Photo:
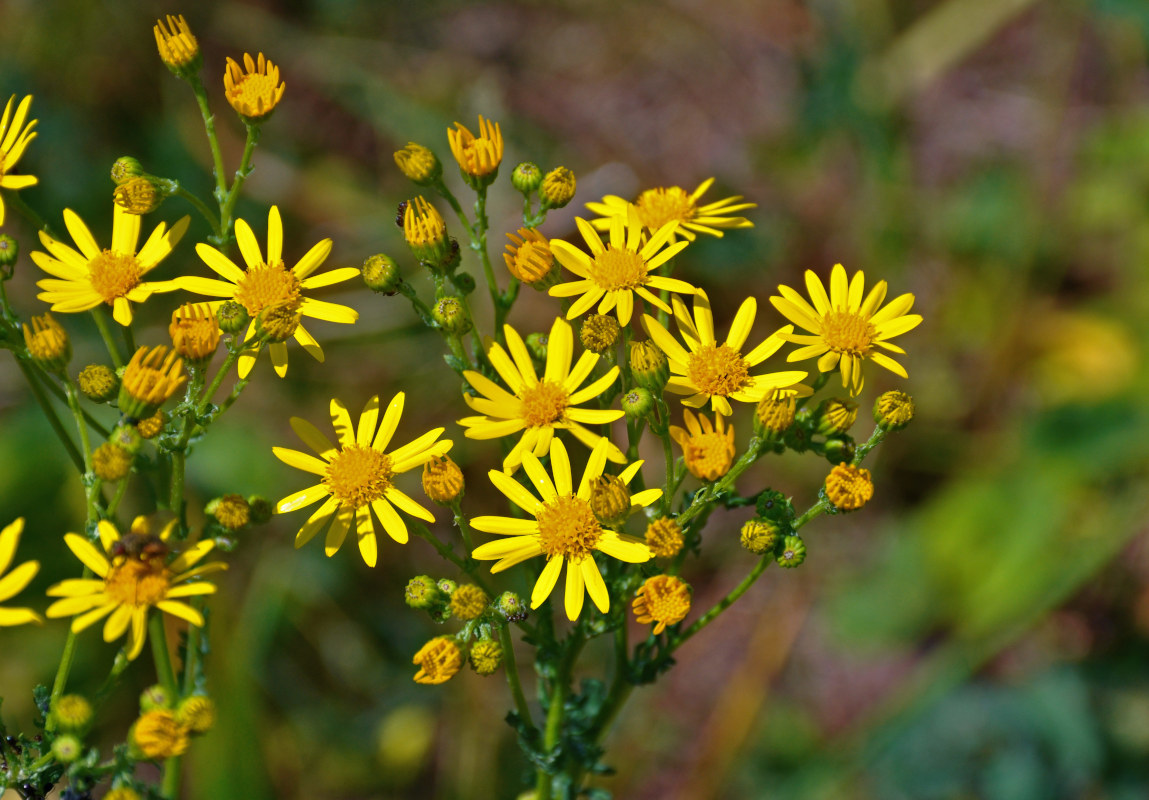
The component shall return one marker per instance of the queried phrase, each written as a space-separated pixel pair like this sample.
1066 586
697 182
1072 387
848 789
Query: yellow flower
175 42
269 283
707 449
254 91
150 379
849 487
82 280
657 207
159 735
478 157
614 273
133 575
662 599
539 407
15 581
194 332
528 257
14 138
845 328
707 369
357 477
564 528
439 660
664 537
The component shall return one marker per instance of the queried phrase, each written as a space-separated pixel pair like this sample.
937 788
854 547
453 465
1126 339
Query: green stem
212 139
198 204
167 677
241 174
864 449
129 339
192 650
512 669
706 495
446 552
213 387
121 490
100 315
50 414
62 671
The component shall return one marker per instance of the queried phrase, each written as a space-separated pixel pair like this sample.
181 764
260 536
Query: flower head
777 409
255 90
425 231
558 188
194 332
159 735
150 379
14 139
539 406
83 279
442 480
357 477
663 600
564 528
707 369
664 537
846 329
613 273
478 157
849 487
135 572
270 283
673 204
468 602
707 448
439 660
178 48
418 163
48 343
529 258
894 410
15 581
486 656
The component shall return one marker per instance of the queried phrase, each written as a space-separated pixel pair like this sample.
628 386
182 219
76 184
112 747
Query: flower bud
127 437
791 553
72 712
849 487
262 509
422 593
150 378
381 274
537 344
155 696
468 602
839 450
418 164
425 233
151 427
48 344
610 500
232 317
599 332
664 537
464 281
442 480
759 536
527 177
196 713
125 168
637 403
834 416
231 511
9 250
194 332
558 188
139 195
66 748
157 735
98 382
451 315
511 606
893 410
447 586
111 462
486 656
663 600
648 366
438 660
178 47
775 412
529 258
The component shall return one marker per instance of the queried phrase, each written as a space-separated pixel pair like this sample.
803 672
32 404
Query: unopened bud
527 177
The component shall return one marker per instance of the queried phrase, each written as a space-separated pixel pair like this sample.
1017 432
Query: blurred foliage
979 631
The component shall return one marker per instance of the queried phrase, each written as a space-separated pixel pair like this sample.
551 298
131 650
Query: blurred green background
978 631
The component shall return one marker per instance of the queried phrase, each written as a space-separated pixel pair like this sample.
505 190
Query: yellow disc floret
468 602
568 528
255 90
663 600
849 487
358 475
707 448
664 537
717 370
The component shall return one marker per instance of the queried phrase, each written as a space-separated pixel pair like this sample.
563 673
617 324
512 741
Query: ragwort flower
18 579
662 205
14 139
255 90
539 407
357 477
614 273
82 280
133 576
270 283
709 370
564 528
844 328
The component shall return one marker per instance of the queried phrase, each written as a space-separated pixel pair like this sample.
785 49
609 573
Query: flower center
717 370
656 207
265 285
114 274
847 332
708 454
543 404
619 269
358 475
255 89
137 582
567 528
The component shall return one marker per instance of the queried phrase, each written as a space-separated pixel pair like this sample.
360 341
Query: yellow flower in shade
663 600
270 283
134 574
564 528
439 660
159 735
614 273
664 537
177 46
194 332
707 369
707 448
82 280
657 207
539 407
357 477
14 139
478 157
255 90
18 579
846 329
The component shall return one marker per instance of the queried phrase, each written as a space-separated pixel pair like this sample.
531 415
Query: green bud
759 536
262 509
450 314
232 317
792 553
422 593
527 177
894 410
511 606
381 274
464 282
637 403
125 168
66 748
648 366
127 437
155 697
447 586
9 250
537 344
839 450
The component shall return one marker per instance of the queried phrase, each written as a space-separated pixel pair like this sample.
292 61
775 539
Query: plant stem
512 669
864 449
212 139
198 204
167 677
62 671
50 413
228 206
100 315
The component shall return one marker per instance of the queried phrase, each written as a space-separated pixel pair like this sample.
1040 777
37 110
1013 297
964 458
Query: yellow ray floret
83 279
613 273
539 406
270 283
846 329
18 579
563 528
709 370
357 476
14 139
134 573
665 204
